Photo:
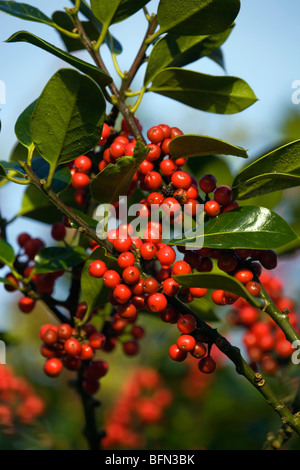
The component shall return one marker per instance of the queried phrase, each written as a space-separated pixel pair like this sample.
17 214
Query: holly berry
26 304
157 302
58 231
97 268
53 367
207 365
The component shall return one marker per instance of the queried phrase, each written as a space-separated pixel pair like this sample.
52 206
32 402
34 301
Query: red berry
157 302
80 180
86 353
253 288
105 131
122 244
166 256
23 238
207 365
97 268
181 179
53 367
131 347
218 297
122 293
244 276
58 231
186 324
198 292
131 275
208 183
223 195
150 285
126 259
83 164
268 259
176 354
212 208
111 278
199 350
167 166
65 331
170 287
73 347
127 310
186 343
155 134
148 250
154 152
117 149
153 180
90 386
26 304
181 267
97 340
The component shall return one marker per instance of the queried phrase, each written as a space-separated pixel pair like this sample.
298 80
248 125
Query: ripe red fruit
154 152
58 231
155 134
186 324
127 310
131 275
212 208
122 293
148 250
181 179
170 287
122 244
111 278
227 262
199 350
207 365
171 206
176 354
150 285
268 259
208 183
244 275
218 297
153 180
186 343
181 267
167 166
105 131
157 302
117 149
80 180
26 304
97 340
53 367
50 336
166 256
46 327
253 288
73 347
64 331
83 164
97 268
137 332
87 352
198 292
126 259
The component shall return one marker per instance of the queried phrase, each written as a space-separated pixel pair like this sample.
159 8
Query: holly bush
143 237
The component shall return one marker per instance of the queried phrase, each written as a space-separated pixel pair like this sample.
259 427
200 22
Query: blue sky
263 49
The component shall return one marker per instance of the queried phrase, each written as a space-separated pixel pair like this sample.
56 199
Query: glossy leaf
53 259
189 145
36 205
68 118
277 170
204 309
22 126
7 255
115 11
196 16
93 291
114 180
19 152
221 95
25 12
12 168
177 51
218 280
89 69
250 227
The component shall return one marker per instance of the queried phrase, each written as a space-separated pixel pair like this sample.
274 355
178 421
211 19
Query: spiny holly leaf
177 51
218 280
89 69
277 170
196 16
68 117
196 145
25 12
53 259
114 180
7 254
221 95
250 227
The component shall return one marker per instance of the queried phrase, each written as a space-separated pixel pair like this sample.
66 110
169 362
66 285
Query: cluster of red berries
19 403
142 401
192 343
63 346
265 342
